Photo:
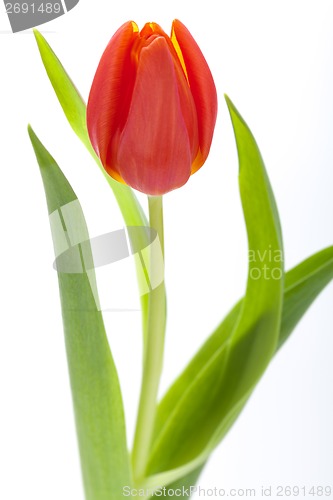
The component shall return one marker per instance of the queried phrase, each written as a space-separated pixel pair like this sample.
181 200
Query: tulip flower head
152 107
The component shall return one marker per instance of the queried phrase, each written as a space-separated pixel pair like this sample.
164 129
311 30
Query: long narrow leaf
74 108
220 386
303 284
95 387
68 96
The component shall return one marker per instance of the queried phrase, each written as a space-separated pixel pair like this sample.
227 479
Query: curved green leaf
185 485
68 96
303 284
96 392
220 386
74 108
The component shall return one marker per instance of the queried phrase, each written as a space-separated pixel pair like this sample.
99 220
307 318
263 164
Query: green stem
154 347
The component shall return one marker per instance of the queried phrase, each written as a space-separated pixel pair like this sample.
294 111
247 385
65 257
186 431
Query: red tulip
152 107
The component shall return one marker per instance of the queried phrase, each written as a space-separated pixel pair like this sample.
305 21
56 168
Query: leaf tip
40 40
227 98
31 131
33 138
232 108
37 34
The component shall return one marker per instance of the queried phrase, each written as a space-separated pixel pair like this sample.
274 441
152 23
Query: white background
275 60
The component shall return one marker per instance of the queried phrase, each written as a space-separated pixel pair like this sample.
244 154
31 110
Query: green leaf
185 484
303 284
218 388
68 96
95 387
74 108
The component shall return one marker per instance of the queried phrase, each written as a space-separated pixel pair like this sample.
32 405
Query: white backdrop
274 59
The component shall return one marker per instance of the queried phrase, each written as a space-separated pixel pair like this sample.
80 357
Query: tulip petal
154 151
111 90
150 28
202 87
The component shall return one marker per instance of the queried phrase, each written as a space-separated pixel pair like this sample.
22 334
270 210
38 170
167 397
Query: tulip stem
154 347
